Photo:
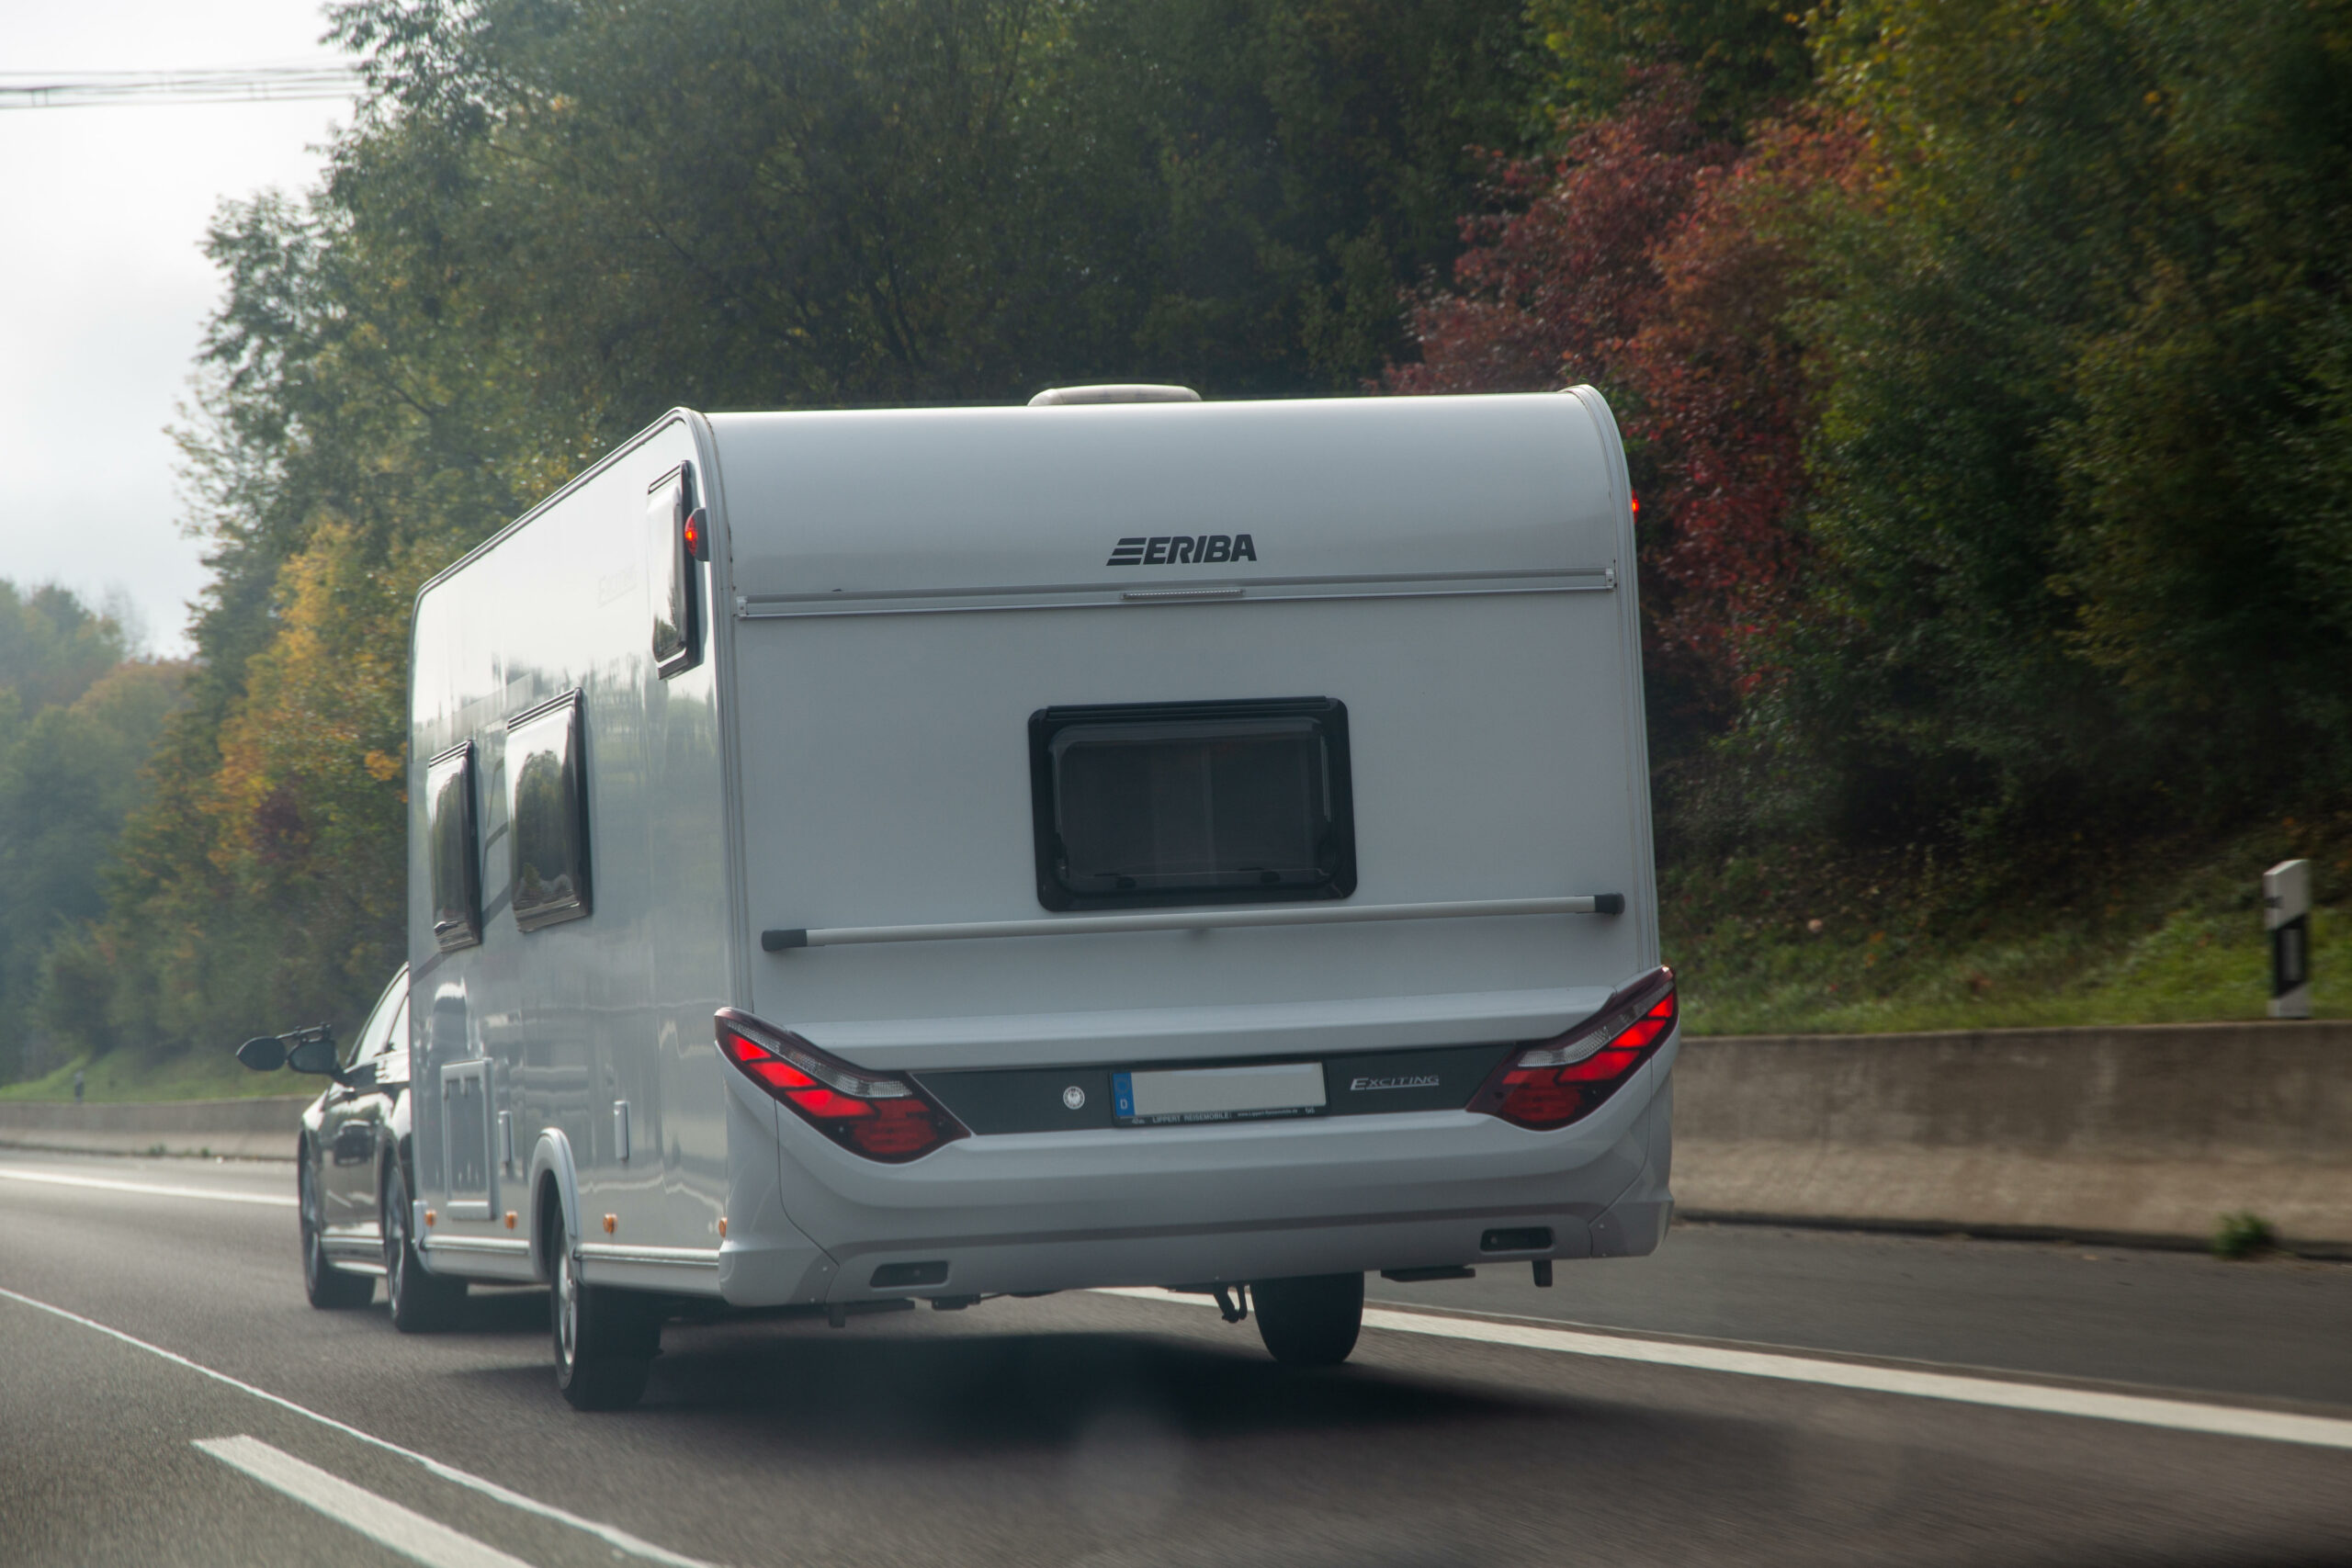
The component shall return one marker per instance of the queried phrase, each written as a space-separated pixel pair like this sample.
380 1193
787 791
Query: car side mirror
263 1053
315 1053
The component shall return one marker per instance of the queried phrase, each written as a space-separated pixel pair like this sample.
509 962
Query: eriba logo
1169 550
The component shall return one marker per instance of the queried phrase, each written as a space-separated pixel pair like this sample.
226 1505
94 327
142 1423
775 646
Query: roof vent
1061 397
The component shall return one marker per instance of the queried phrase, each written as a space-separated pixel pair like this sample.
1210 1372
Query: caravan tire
1312 1321
422 1302
605 1339
330 1289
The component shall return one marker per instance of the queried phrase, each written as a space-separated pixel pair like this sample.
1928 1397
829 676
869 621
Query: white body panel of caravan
826 822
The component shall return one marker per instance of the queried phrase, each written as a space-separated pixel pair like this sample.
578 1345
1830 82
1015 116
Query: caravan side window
547 812
452 841
673 536
1191 803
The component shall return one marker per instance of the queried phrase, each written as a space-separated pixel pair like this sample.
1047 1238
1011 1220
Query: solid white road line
610 1535
385 1522
2139 1410
156 1189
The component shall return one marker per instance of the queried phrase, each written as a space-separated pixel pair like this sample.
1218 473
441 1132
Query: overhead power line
222 84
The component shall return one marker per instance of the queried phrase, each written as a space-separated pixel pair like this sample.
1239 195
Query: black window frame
456 926
1330 715
573 788
680 582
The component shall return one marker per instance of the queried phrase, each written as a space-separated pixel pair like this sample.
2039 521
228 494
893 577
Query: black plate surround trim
995 1100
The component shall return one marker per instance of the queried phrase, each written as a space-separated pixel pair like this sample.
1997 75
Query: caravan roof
1002 500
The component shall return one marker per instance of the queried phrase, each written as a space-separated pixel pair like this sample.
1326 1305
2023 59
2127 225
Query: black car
353 1167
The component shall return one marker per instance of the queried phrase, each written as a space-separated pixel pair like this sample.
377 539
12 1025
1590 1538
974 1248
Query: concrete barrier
242 1129
2147 1134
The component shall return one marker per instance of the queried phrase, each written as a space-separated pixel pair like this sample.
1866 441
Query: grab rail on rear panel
785 939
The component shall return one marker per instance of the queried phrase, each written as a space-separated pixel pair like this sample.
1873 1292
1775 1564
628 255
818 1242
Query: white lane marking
2139 1410
609 1534
385 1522
275 1199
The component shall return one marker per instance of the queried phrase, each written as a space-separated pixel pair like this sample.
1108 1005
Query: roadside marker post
2287 915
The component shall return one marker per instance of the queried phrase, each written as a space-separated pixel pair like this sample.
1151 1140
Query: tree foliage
77 720
556 219
2077 377
1987 372
1662 265
1989 399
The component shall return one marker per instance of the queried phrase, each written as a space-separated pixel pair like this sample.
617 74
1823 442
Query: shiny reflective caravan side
604 937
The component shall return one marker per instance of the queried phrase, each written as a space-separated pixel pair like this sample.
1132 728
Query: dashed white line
610 1535
381 1520
154 1189
2139 1410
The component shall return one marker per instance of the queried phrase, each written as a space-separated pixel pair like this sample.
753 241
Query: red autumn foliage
1661 267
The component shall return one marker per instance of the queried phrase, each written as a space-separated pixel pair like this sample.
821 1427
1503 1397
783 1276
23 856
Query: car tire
605 1339
1312 1321
422 1302
329 1288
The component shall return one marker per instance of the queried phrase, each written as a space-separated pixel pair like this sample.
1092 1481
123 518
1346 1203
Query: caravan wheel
605 1339
1312 1321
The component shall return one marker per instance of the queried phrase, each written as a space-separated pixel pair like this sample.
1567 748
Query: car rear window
1191 803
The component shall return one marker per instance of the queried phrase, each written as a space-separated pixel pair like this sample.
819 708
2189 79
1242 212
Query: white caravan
864 857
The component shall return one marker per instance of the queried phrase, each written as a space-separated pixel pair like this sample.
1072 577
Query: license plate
1216 1094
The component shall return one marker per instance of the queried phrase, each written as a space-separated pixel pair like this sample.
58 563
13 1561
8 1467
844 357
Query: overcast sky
103 290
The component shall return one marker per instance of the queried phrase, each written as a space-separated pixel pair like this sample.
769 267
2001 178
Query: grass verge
125 1074
1792 943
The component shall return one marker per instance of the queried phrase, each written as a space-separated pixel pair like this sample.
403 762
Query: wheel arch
554 1183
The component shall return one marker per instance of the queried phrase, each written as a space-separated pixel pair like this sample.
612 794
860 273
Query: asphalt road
1748 1395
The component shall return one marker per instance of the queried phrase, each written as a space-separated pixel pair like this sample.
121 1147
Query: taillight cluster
1551 1084
881 1117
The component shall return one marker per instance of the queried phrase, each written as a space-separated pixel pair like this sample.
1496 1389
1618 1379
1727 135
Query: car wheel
1312 1321
422 1302
605 1339
330 1289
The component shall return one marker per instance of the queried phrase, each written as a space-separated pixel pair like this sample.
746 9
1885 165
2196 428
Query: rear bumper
1204 1204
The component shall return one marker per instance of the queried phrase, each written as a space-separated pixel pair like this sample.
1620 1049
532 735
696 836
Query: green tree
2072 455
1749 58
77 722
2211 560
553 221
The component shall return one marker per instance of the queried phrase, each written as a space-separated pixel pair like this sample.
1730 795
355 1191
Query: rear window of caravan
1191 803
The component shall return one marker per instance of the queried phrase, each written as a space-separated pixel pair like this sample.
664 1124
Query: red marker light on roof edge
695 531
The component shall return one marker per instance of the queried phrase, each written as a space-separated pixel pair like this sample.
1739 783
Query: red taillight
1550 1084
875 1115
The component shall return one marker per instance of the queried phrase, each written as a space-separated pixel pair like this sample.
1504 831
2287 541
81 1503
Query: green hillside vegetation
1986 375
139 1075
2171 935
